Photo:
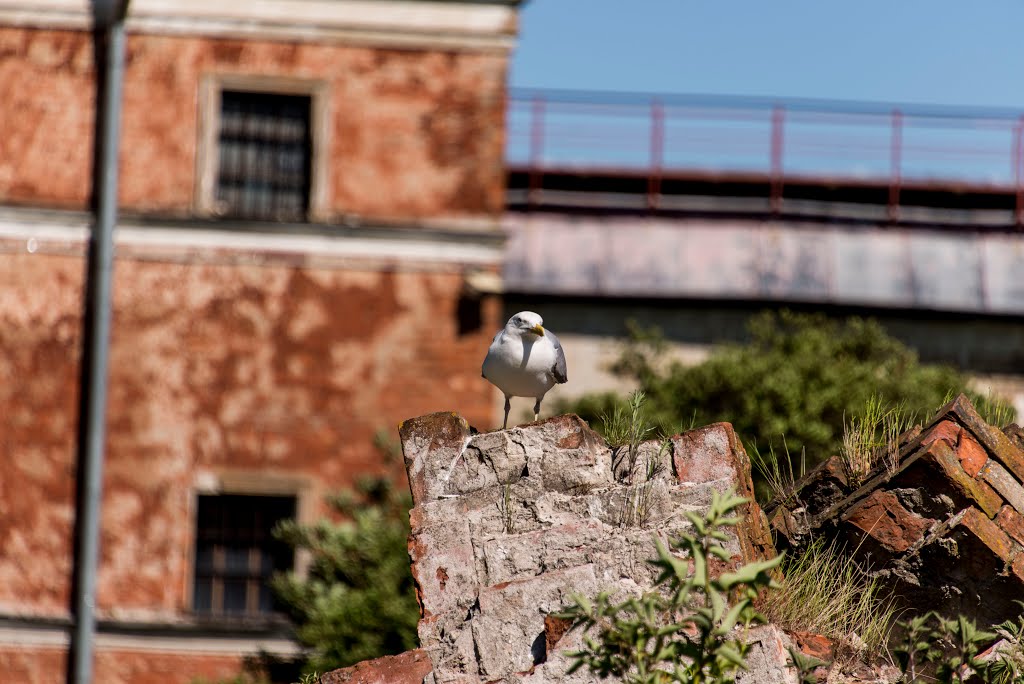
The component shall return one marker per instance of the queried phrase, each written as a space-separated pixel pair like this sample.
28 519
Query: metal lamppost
108 43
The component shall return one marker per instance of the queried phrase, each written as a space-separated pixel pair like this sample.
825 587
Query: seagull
524 360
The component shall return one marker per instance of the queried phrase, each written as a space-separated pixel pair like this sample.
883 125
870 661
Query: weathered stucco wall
119 666
216 367
411 133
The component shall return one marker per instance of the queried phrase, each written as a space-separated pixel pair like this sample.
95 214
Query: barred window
265 149
236 553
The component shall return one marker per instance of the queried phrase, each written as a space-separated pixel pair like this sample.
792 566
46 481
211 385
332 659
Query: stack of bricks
943 526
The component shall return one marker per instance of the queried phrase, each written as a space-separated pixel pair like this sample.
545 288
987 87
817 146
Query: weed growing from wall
823 591
685 629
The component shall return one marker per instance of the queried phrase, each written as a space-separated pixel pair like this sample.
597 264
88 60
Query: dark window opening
236 554
469 312
265 145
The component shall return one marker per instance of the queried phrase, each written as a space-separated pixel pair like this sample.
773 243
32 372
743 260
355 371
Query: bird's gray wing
559 370
496 336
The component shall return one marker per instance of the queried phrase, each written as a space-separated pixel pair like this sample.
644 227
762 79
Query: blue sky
907 51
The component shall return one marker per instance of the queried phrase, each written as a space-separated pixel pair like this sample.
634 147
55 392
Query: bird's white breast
520 368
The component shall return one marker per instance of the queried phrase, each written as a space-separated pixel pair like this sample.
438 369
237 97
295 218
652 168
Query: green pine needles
357 600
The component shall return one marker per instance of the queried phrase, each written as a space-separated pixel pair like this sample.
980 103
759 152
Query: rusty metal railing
780 141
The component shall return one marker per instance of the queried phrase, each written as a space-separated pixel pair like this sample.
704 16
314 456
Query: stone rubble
508 525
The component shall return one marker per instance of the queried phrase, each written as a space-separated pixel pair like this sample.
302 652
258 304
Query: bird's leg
508 407
536 410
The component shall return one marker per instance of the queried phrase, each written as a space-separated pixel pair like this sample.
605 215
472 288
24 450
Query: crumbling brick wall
508 524
943 529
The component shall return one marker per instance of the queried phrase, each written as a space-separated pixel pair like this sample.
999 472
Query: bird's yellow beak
537 329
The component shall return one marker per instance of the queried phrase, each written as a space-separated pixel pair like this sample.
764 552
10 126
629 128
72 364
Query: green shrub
358 599
790 388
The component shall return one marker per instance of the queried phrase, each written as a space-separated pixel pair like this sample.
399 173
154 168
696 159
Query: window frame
208 148
244 484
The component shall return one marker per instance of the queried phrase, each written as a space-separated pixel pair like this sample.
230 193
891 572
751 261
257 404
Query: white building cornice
384 23
425 248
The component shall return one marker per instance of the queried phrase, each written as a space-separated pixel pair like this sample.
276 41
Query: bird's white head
526 322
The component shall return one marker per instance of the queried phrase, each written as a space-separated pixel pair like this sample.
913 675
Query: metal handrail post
657 154
777 153
895 165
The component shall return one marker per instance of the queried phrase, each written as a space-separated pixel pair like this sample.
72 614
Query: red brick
1012 523
405 668
983 495
881 516
815 645
971 454
946 431
993 439
988 532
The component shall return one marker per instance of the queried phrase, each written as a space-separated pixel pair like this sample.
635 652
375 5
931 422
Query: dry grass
777 474
825 592
873 438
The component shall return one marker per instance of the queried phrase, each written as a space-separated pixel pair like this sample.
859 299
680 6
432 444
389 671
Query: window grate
265 145
236 554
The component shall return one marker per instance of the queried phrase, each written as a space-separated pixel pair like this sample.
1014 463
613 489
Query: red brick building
310 193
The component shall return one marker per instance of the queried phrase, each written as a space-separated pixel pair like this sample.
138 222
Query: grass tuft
873 438
625 429
995 410
826 592
777 474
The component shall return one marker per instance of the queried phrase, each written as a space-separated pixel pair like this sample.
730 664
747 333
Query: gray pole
108 39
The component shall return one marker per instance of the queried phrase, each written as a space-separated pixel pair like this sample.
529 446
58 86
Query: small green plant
994 409
873 437
947 650
625 429
683 630
506 509
805 665
824 591
638 498
1008 665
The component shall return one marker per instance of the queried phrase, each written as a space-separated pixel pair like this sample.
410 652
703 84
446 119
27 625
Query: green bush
357 600
789 389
